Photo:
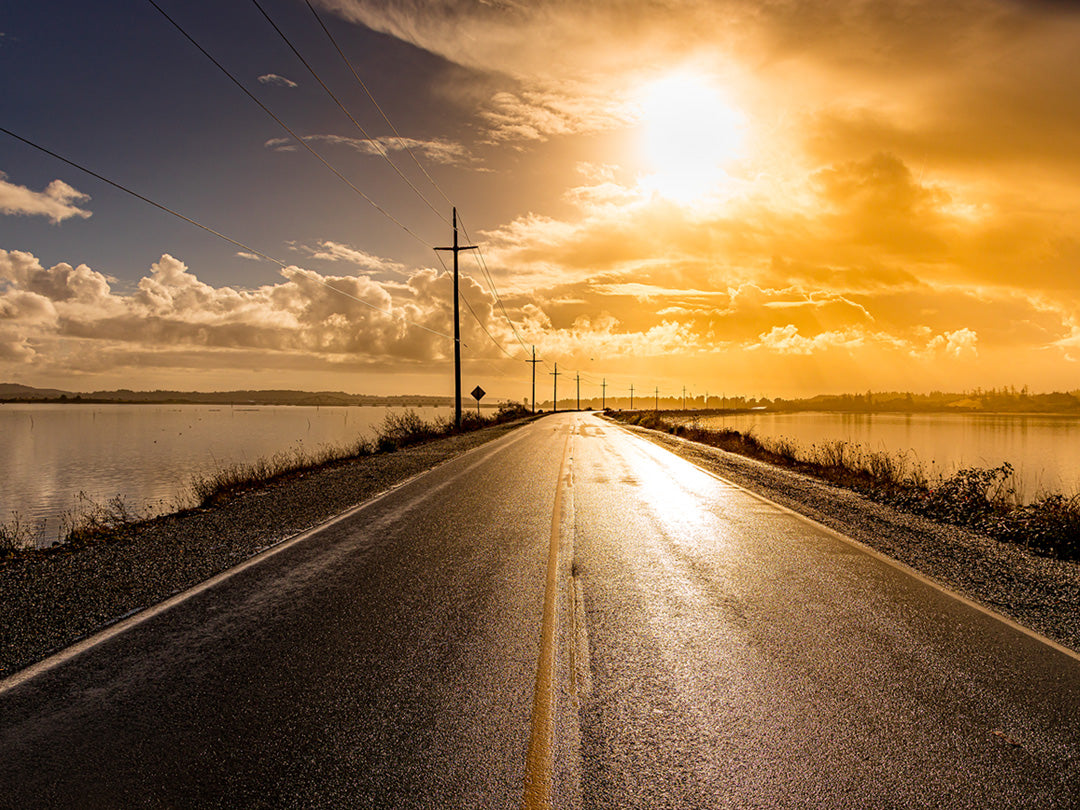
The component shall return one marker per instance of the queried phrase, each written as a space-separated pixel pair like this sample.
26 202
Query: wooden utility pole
656 401
578 378
631 397
684 397
603 395
534 361
457 324
554 388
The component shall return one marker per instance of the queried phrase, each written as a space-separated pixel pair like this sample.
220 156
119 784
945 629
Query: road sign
478 393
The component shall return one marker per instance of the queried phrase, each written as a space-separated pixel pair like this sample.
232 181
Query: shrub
1049 526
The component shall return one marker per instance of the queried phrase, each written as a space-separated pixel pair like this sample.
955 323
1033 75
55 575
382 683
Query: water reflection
148 453
1043 449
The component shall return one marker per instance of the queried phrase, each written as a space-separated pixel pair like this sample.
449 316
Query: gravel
50 600
1037 592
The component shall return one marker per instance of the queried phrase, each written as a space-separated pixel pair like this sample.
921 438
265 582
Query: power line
485 272
378 147
385 118
218 234
285 126
491 282
472 311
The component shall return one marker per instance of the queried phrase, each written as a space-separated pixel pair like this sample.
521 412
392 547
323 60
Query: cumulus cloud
55 314
276 80
57 202
959 344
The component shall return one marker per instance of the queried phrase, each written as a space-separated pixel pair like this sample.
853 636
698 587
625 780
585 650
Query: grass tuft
16 535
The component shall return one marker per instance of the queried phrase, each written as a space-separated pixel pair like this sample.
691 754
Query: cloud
337 252
282 145
57 202
437 150
243 254
958 344
542 112
63 311
277 81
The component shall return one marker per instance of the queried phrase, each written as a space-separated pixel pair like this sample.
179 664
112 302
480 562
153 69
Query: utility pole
603 395
555 388
534 361
684 397
578 378
457 324
631 397
656 401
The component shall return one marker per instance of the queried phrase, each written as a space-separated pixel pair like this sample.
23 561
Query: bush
1049 526
972 496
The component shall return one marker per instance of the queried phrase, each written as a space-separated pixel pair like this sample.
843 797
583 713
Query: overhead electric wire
210 230
378 147
482 263
321 159
364 87
286 127
485 272
472 311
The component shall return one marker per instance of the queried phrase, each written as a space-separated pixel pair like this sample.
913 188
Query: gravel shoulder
49 601
1039 593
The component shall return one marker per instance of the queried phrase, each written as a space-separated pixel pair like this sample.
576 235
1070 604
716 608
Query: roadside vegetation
89 521
983 499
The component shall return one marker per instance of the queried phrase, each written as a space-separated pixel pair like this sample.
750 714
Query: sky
767 198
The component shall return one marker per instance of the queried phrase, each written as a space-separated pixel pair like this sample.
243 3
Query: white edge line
145 614
903 567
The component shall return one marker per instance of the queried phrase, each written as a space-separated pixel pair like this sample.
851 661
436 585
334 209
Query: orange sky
780 198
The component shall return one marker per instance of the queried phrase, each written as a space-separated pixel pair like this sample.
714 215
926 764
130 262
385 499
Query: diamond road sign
478 393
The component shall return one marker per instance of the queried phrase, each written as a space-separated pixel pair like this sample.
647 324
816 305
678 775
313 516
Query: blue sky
785 199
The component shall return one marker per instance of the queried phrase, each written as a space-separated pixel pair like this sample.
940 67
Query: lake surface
1044 450
148 453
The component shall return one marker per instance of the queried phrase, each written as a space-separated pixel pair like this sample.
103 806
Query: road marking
539 760
907 569
139 616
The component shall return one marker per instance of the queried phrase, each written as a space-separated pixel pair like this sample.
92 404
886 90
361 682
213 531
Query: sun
691 132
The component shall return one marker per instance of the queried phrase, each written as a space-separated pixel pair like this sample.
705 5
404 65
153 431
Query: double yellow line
540 758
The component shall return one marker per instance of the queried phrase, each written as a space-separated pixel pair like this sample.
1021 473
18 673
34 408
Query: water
147 454
1044 450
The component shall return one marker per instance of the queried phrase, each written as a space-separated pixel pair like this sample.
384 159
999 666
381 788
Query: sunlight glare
691 132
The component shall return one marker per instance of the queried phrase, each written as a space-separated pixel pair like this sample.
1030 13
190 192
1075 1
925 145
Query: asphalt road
569 615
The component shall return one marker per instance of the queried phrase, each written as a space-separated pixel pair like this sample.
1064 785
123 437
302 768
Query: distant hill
10 391
13 392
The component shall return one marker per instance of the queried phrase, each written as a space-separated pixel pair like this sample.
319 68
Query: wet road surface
702 648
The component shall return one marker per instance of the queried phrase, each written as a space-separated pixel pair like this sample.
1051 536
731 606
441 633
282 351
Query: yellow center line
539 760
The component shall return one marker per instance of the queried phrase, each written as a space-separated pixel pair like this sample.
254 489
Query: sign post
478 394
